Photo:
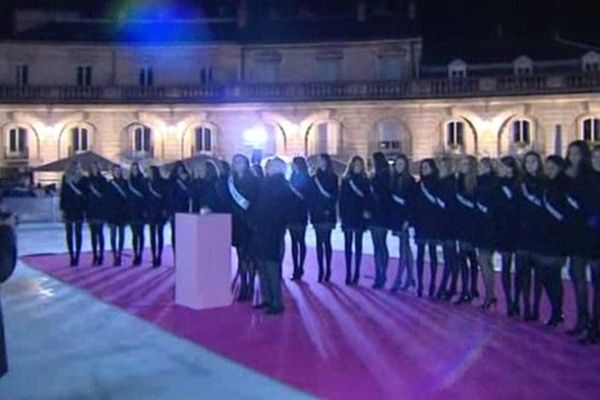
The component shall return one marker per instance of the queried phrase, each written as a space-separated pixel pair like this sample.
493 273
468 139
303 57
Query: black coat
530 199
138 199
401 204
205 195
180 195
72 200
380 201
95 198
466 213
446 193
427 210
247 187
506 214
485 234
354 197
301 187
269 217
551 233
323 204
8 262
117 202
578 240
157 200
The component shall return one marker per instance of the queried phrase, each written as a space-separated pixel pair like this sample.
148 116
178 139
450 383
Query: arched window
323 137
142 141
455 135
203 139
590 62
16 142
457 69
523 66
590 130
80 139
521 132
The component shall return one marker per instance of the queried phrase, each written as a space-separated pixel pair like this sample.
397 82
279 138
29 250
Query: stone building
162 90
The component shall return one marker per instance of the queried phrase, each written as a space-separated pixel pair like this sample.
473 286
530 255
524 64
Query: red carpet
356 343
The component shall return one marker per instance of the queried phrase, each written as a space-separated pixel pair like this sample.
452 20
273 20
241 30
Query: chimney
361 10
242 14
412 9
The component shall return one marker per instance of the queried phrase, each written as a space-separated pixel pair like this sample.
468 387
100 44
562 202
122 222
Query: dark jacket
530 198
506 214
379 201
157 200
486 196
180 195
117 201
269 217
72 200
427 210
205 195
578 240
247 188
401 203
593 214
323 198
8 262
354 197
138 199
466 213
301 187
550 233
446 194
95 198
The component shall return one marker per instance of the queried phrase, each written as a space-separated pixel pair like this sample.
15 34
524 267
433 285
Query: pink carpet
356 343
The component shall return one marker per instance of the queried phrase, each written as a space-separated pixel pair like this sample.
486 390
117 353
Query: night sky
440 20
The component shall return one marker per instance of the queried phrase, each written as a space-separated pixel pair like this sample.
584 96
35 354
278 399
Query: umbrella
85 159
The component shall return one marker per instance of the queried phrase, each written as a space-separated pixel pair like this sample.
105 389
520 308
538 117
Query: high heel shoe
555 320
489 303
420 291
578 329
408 285
464 298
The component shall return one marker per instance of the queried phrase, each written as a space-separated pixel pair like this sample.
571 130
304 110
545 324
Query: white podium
203 260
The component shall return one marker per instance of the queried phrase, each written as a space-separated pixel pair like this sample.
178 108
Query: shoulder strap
321 188
236 195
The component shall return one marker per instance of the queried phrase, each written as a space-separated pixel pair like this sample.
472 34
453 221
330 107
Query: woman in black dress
593 212
158 211
242 189
485 227
138 215
530 199
466 217
354 193
427 216
509 173
95 211
323 213
300 185
72 205
117 193
402 192
205 199
180 183
578 240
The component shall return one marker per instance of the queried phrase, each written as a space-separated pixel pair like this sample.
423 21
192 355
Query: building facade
344 94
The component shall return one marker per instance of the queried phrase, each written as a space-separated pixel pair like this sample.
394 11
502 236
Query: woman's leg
376 256
464 273
141 242
433 262
78 240
348 239
385 256
320 245
93 228
420 266
409 259
134 242
401 264
121 230
593 336
554 289
524 269
243 274
69 226
358 243
506 259
112 229
160 227
328 254
474 266
295 252
100 243
577 273
153 242
447 271
172 221
487 270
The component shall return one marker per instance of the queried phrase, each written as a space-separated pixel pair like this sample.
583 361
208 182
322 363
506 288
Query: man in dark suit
8 261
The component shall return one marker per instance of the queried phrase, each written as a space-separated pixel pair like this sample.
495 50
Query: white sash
507 192
399 200
355 188
135 191
553 211
427 194
119 189
74 188
532 199
573 203
296 192
95 191
321 188
181 185
237 196
154 192
465 202
440 203
482 208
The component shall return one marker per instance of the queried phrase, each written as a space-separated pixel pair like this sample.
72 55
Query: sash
237 196
507 192
355 188
573 203
154 192
399 200
119 189
427 194
74 188
296 192
532 198
440 203
181 185
95 191
465 202
482 208
321 188
553 211
135 191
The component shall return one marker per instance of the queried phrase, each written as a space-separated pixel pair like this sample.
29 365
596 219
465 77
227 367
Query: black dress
485 233
578 190
466 213
379 201
551 233
402 199
241 194
323 200
95 195
117 202
506 214
72 200
300 184
180 195
530 203
593 215
427 210
354 196
157 200
8 262
446 194
137 187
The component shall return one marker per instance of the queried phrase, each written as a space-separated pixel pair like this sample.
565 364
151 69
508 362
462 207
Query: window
591 130
146 76
22 75
206 75
79 139
590 62
457 69
84 76
324 137
523 66
204 139
389 136
267 71
17 141
455 137
328 69
521 132
391 68
591 67
142 139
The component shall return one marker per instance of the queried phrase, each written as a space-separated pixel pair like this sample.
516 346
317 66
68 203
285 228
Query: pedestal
203 260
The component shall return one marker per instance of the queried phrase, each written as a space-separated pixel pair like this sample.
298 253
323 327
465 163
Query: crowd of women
539 215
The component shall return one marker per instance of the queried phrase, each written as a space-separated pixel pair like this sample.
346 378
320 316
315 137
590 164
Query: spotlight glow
255 137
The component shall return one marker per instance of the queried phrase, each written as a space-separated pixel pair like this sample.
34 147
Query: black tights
595 325
137 241
525 269
433 262
324 253
97 236
405 262
355 237
469 271
508 284
450 272
246 274
578 275
298 236
117 241
157 240
73 233
381 255
173 232
548 277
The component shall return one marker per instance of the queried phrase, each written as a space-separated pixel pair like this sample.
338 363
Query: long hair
400 180
435 172
244 160
179 165
154 172
586 156
469 179
135 166
513 164
540 170
301 165
328 164
380 163
257 170
350 167
558 161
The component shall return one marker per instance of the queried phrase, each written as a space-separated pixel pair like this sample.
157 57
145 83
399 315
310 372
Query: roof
503 51
85 159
